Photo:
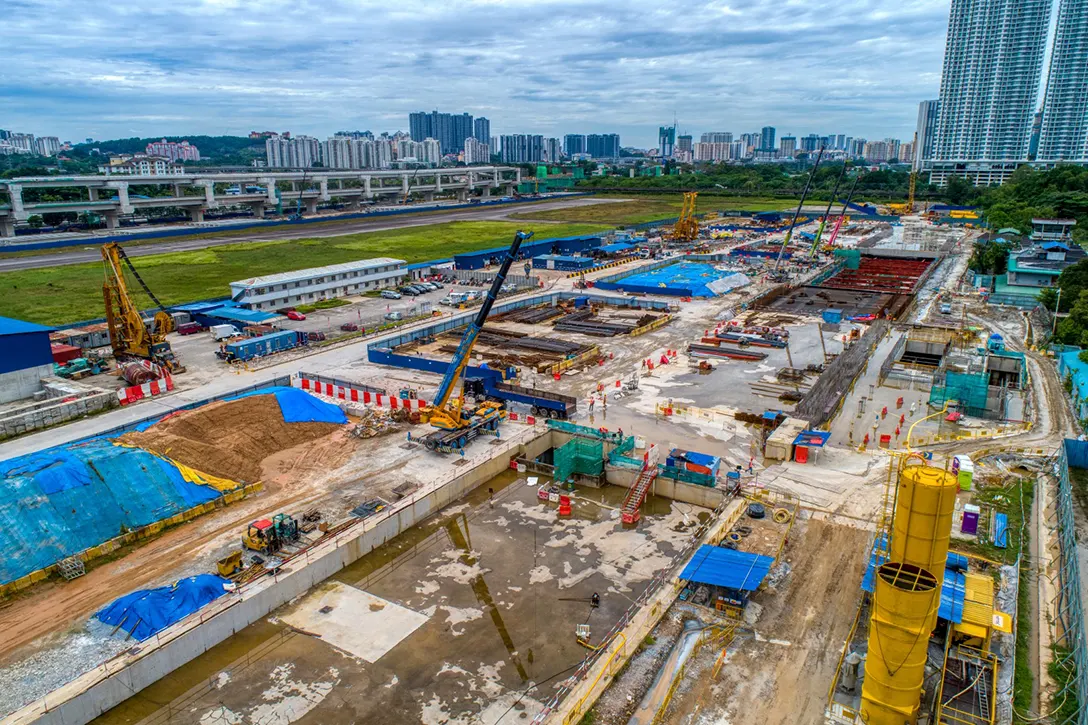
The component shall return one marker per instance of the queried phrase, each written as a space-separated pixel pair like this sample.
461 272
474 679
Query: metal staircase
632 504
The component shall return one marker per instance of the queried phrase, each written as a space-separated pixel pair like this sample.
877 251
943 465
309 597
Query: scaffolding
969 390
578 456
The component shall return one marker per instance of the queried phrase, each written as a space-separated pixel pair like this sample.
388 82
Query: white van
222 332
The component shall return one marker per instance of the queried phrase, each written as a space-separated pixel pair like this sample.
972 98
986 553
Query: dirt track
781 673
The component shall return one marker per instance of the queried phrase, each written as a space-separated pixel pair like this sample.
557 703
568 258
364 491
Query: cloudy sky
77 69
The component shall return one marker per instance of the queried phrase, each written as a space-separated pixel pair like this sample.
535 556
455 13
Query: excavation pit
482 600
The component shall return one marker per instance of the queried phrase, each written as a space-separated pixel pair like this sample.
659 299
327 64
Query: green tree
990 257
1072 282
36 222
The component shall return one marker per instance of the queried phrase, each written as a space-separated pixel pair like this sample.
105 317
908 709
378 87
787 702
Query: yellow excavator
686 228
130 336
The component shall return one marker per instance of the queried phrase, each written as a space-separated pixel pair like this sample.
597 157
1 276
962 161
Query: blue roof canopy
9 326
616 247
239 314
729 568
812 438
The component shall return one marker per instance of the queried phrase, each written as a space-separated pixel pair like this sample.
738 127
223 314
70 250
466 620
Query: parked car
190 328
295 315
420 289
315 336
946 308
437 284
389 294
350 327
411 292
394 316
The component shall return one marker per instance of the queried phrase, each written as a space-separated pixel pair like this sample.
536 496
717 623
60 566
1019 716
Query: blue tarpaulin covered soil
60 501
298 406
149 611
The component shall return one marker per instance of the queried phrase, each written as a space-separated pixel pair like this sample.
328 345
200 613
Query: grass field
72 293
649 208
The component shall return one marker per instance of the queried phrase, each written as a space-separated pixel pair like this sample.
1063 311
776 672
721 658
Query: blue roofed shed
741 571
27 357
616 248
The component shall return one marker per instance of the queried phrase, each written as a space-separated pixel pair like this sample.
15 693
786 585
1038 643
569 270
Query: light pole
1057 306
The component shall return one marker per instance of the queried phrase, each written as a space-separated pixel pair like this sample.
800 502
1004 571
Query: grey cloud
552 66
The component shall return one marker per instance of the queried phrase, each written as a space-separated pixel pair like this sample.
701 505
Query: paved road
318 362
331 229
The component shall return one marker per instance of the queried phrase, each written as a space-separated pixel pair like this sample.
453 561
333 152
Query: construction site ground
777 670
48 638
779 665
447 623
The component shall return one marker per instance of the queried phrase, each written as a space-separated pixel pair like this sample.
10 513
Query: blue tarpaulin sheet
729 568
1001 530
148 611
616 247
682 279
59 501
953 590
298 406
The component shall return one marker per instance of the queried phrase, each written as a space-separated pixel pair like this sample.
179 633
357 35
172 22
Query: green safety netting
579 456
969 390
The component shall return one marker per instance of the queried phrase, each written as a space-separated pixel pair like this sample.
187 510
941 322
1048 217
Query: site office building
303 286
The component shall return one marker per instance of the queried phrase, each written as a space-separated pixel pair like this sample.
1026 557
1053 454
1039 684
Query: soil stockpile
228 439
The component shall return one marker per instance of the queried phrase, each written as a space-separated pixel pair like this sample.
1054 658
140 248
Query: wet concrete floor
502 584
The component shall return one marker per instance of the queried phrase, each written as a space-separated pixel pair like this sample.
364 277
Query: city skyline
304 67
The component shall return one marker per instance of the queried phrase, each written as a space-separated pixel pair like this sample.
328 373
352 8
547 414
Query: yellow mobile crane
687 226
457 425
129 335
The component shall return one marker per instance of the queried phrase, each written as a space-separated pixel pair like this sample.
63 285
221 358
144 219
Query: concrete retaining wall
703 496
95 692
19 384
59 407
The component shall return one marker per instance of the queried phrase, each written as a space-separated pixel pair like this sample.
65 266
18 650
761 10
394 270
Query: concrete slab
353 620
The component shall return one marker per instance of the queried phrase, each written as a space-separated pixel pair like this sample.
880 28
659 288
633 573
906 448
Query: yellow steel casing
904 608
925 501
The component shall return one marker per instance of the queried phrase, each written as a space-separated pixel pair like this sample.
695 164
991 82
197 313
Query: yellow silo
925 502
905 602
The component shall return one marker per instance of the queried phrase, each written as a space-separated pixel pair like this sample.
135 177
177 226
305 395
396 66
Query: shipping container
562 263
64 353
259 346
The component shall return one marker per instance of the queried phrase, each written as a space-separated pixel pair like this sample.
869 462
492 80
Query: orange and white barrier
355 395
147 390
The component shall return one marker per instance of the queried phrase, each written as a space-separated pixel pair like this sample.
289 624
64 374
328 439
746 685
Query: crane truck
456 426
129 335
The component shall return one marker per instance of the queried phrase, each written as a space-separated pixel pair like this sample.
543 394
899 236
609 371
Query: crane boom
827 212
842 216
464 348
800 204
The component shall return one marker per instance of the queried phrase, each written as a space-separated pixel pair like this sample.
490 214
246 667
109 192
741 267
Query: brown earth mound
229 439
